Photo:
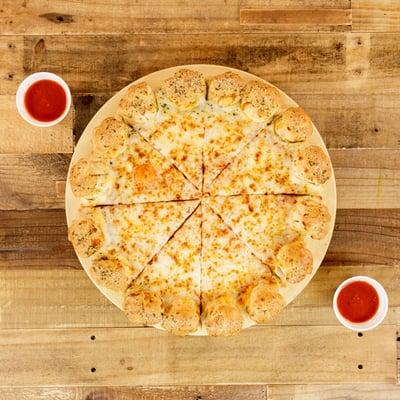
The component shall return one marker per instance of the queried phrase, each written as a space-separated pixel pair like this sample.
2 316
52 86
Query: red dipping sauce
45 100
358 301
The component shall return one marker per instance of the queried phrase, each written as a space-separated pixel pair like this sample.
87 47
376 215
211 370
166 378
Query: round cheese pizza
203 204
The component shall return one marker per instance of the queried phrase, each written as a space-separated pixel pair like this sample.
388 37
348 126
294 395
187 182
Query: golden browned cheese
110 273
185 88
143 308
110 137
295 261
85 176
293 125
222 316
316 218
86 237
313 164
145 176
182 316
264 302
260 101
225 89
138 104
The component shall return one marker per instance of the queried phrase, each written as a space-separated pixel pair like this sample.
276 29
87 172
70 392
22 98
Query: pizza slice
233 281
269 165
275 227
227 128
168 289
175 126
179 136
125 237
124 168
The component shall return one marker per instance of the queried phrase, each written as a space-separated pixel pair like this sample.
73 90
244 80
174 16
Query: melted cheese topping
264 166
228 266
264 223
175 270
141 174
179 136
227 131
136 233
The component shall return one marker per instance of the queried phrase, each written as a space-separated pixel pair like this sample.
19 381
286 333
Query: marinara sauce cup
23 91
376 318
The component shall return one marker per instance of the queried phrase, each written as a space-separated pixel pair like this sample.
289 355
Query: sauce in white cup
43 99
356 307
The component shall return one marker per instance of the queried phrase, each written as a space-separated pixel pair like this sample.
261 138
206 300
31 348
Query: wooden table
59 338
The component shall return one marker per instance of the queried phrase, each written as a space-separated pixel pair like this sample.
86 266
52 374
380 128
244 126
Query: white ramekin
377 318
23 87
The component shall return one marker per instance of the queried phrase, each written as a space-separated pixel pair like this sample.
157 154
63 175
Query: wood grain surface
93 17
338 59
220 392
333 354
20 137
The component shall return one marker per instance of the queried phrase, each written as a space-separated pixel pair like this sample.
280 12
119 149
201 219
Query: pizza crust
138 106
185 89
225 89
222 316
264 302
182 317
110 273
261 102
293 125
86 236
110 137
142 308
295 261
313 165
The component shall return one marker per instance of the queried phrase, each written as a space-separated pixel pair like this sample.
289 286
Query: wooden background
59 338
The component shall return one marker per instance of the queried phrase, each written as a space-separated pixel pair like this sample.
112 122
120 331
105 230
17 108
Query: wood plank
367 178
376 15
313 17
333 355
66 298
365 237
330 392
99 64
11 62
223 392
35 239
347 82
142 16
29 180
17 136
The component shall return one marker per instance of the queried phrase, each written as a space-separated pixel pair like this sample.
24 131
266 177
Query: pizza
203 201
